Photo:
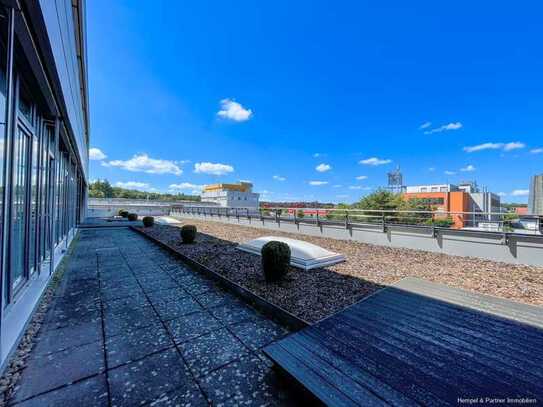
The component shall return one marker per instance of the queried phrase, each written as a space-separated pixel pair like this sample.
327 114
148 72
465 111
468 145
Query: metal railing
491 222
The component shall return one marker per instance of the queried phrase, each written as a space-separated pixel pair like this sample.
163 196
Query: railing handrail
376 211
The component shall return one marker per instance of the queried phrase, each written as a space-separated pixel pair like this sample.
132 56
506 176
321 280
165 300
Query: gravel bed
318 293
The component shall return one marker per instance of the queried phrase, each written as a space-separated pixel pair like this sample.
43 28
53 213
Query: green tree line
103 189
386 201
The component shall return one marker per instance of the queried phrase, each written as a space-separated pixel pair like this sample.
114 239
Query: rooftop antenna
395 181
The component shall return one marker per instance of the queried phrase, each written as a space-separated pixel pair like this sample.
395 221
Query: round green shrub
123 213
275 260
120 212
148 221
132 216
188 233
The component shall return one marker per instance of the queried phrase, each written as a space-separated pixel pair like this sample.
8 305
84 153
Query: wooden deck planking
405 347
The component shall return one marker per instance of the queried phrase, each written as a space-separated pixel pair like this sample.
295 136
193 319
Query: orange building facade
455 201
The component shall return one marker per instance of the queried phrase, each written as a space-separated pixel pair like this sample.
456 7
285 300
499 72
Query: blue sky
302 98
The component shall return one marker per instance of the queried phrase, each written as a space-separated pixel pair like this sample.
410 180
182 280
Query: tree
103 189
379 200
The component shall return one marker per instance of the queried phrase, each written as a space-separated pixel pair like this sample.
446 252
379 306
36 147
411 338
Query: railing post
383 222
276 217
237 214
248 216
346 220
318 220
295 219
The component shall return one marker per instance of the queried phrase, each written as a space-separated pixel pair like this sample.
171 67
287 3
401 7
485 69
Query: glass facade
42 187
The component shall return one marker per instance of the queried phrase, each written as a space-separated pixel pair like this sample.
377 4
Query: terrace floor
131 325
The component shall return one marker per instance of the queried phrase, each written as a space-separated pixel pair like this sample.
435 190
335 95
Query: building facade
238 195
467 205
535 200
44 134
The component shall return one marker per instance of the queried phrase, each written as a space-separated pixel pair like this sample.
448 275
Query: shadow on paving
130 324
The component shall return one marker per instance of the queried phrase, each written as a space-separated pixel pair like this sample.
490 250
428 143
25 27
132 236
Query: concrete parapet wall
516 249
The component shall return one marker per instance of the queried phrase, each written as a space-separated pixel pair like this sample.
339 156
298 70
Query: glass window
25 104
18 239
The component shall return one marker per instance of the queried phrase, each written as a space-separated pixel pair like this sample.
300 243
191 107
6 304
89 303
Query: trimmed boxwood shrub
148 221
123 213
132 216
188 233
275 260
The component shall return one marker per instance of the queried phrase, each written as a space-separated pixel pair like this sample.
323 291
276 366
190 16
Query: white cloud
374 161
279 178
501 194
362 177
317 155
450 173
185 186
133 185
513 145
356 187
213 168
445 127
337 186
96 154
233 110
431 169
425 125
468 168
318 183
323 167
536 150
144 163
520 192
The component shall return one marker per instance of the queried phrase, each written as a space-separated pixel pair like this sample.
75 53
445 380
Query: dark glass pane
19 214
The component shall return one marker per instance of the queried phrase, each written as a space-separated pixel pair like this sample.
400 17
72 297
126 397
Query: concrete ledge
501 307
267 308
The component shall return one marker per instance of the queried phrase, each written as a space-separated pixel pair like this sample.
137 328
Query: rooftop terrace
130 323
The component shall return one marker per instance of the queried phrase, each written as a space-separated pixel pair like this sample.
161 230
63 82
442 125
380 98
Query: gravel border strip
269 309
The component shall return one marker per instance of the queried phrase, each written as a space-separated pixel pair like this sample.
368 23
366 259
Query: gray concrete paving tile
176 308
212 350
256 334
234 312
52 340
192 325
136 344
145 380
116 324
91 392
246 381
181 397
46 372
168 294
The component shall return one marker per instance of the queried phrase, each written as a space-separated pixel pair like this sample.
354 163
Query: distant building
535 201
465 197
521 210
238 195
444 198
